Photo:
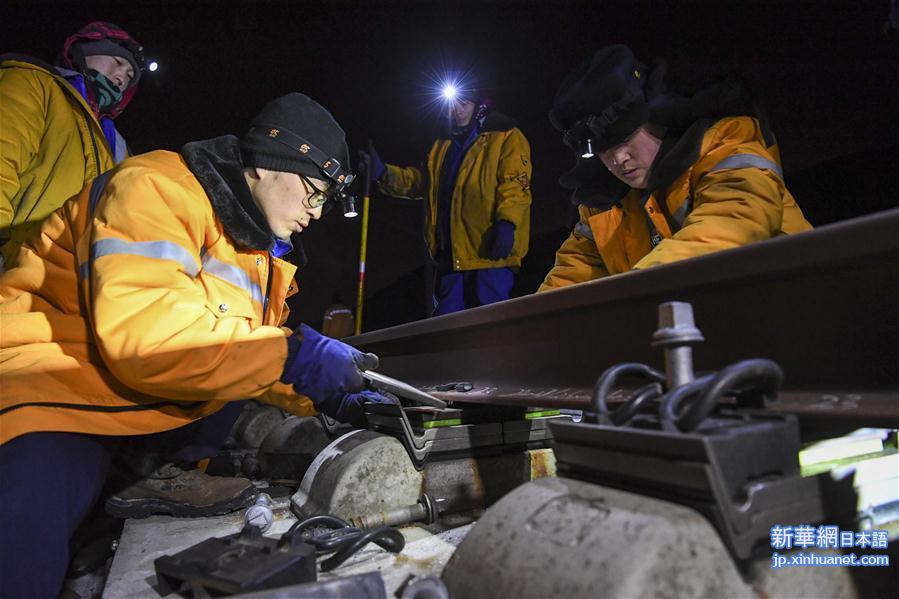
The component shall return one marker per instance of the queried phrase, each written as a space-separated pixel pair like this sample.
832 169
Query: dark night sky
825 71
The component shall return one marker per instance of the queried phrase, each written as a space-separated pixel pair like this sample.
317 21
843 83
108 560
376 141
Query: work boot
181 493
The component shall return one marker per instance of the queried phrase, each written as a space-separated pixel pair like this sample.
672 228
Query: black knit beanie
300 116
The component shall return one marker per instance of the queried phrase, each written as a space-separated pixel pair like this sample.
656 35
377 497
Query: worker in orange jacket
143 311
659 177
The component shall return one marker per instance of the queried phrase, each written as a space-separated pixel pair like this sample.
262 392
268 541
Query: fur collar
216 164
676 155
497 121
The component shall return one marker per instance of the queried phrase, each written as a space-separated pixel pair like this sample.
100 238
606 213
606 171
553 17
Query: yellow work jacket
493 184
731 196
141 315
51 144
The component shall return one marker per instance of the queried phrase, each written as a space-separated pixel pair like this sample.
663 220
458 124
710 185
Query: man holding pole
477 185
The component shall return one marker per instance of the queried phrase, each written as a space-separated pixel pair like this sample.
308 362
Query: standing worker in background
477 186
659 177
142 312
57 125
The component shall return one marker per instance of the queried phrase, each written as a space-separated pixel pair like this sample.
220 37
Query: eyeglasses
317 198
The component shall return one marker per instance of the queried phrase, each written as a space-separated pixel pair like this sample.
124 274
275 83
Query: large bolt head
676 325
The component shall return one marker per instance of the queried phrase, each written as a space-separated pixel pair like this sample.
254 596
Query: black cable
389 538
332 534
670 407
638 400
747 376
684 408
333 540
321 521
605 382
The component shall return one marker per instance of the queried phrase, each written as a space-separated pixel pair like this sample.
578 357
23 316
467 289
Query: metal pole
363 244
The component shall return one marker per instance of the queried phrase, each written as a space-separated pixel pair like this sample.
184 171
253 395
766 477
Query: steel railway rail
823 304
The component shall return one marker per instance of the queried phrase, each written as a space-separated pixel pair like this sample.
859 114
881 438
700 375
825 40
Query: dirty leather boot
181 493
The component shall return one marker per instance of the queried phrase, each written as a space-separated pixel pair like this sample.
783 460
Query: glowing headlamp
348 204
588 149
449 92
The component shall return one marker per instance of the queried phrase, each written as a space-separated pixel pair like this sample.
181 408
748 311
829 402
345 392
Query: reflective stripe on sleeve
232 274
683 211
584 230
735 161
161 250
748 161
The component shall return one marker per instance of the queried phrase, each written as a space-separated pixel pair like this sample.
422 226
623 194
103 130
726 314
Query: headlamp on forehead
598 132
136 50
143 63
588 149
453 91
449 92
338 176
581 140
348 205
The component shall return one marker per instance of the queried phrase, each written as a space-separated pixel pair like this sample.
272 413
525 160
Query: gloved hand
324 369
349 408
377 169
503 233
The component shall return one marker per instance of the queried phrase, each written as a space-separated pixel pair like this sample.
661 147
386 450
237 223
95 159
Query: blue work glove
324 369
503 233
350 410
377 169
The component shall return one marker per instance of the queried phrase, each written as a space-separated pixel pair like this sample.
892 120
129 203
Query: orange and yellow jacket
493 184
51 145
732 195
149 310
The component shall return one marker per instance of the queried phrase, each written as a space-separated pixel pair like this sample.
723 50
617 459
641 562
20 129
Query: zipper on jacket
268 288
654 237
90 130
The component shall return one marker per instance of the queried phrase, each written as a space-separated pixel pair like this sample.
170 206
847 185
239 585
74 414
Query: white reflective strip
232 274
584 230
683 211
735 161
160 250
748 161
121 147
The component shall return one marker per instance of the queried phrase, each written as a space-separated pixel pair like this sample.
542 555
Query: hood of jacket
97 31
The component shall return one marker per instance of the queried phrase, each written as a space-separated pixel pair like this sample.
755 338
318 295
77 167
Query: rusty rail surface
823 304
